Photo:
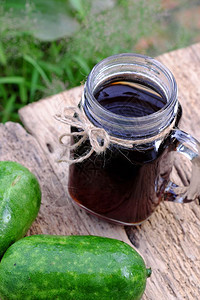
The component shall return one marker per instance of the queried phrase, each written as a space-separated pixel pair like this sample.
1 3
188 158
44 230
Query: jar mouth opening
132 68
153 67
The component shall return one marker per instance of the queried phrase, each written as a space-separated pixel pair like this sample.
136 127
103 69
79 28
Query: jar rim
134 59
158 64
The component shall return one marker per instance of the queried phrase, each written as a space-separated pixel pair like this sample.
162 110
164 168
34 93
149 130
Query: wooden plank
169 241
57 214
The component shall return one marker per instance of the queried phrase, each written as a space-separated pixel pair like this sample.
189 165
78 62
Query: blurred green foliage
49 46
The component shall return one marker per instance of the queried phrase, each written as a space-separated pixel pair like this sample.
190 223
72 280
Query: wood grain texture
170 240
57 214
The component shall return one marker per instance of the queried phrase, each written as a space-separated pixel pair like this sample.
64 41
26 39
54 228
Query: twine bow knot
98 137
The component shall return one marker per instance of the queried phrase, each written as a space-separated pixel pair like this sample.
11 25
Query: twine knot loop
99 139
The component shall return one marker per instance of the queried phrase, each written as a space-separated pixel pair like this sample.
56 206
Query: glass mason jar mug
122 135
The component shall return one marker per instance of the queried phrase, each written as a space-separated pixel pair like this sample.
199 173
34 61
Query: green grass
47 48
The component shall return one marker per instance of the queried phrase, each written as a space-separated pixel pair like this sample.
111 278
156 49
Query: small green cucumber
73 268
20 198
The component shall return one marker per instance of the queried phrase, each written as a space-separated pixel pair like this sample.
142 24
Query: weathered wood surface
169 241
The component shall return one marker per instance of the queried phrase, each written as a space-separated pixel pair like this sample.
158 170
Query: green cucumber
20 198
73 268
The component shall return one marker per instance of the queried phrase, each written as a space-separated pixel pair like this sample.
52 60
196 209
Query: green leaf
8 108
15 117
40 88
3 59
52 68
70 75
82 63
23 93
38 68
12 80
77 5
53 27
3 92
34 80
46 20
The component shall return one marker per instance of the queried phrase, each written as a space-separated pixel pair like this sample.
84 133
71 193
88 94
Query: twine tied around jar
98 137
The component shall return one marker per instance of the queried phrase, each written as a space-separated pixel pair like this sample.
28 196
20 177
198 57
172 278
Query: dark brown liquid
122 184
130 99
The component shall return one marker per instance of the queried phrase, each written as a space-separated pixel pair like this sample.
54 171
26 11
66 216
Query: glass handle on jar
190 148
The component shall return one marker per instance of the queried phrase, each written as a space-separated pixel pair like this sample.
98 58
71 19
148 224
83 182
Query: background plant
49 46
